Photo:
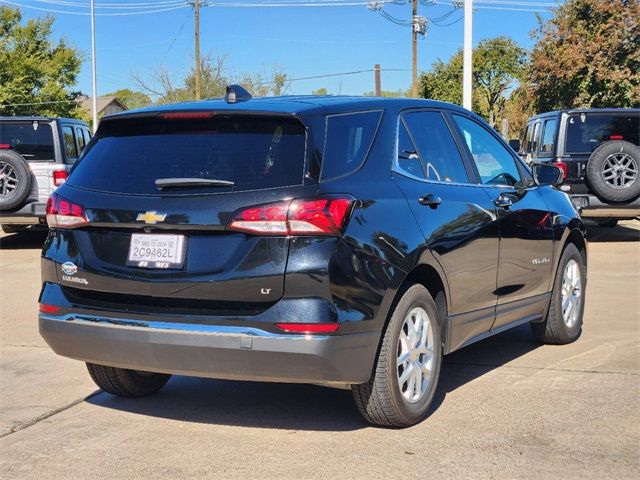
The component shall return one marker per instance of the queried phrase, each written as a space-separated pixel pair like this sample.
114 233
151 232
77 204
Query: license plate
156 251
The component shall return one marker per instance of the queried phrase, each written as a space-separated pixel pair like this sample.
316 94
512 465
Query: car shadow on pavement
620 233
31 239
304 407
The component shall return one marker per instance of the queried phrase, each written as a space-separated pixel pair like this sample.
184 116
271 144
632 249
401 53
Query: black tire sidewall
594 167
23 173
415 296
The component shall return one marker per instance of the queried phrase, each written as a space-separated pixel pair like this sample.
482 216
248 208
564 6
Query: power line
67 12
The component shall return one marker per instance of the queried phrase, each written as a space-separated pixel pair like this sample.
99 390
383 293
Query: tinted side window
81 140
535 138
437 150
70 149
495 164
348 140
32 140
548 136
408 159
527 138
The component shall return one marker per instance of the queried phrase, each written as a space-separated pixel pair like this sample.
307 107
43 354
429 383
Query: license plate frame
156 251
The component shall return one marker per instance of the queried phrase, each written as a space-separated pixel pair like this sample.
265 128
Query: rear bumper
30 214
591 206
235 353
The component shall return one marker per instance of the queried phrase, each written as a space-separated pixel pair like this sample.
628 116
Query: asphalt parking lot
505 408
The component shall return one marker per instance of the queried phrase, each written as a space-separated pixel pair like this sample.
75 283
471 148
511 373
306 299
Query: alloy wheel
619 170
8 179
571 293
414 360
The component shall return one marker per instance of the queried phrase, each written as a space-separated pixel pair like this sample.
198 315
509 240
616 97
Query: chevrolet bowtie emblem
151 217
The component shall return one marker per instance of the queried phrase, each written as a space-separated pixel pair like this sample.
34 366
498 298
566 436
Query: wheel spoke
406 374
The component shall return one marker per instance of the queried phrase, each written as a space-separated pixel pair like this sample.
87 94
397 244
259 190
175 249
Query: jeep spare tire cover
612 171
15 180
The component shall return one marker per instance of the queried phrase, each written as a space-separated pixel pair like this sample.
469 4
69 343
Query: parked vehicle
598 151
344 241
35 156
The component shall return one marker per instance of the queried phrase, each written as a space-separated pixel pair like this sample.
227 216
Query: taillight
62 213
185 115
309 327
616 137
59 177
562 166
318 216
5 146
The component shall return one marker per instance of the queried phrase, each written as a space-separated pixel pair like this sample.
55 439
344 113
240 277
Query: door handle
503 201
430 200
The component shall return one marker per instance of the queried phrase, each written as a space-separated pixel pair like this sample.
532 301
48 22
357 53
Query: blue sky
303 41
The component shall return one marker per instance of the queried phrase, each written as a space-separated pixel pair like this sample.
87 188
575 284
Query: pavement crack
550 369
44 416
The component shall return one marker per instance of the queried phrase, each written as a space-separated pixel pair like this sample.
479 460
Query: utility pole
377 80
414 49
196 11
94 100
467 56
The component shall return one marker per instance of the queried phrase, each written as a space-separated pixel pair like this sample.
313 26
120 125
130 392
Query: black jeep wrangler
598 151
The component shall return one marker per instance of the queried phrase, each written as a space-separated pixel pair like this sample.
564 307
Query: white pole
467 76
93 69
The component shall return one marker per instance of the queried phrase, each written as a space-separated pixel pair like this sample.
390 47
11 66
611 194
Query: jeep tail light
59 177
616 137
5 146
562 166
62 213
317 216
309 327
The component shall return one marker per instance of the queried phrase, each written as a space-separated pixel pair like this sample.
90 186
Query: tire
14 228
381 400
15 180
613 171
126 383
555 330
607 222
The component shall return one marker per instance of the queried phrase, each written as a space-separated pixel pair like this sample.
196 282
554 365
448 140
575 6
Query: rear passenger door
526 225
456 216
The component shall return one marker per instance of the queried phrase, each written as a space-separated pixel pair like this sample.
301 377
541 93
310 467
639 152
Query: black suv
36 154
344 241
599 152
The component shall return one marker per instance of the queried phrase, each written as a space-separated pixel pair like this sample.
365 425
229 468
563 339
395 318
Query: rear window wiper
192 182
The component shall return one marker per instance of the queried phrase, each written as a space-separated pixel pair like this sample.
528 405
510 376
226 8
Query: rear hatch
158 193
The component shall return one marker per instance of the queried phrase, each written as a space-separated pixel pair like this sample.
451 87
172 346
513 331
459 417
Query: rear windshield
586 131
32 140
253 152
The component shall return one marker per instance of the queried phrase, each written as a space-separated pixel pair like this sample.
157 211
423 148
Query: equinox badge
151 217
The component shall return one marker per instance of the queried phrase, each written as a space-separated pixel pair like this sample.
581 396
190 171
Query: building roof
103 102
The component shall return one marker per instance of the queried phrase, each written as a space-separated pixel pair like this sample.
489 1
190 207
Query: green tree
34 69
498 64
132 99
587 55
320 91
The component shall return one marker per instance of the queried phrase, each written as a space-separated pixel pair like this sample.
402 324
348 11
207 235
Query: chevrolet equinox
343 241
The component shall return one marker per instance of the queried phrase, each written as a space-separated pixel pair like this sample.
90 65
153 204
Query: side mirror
545 174
515 144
